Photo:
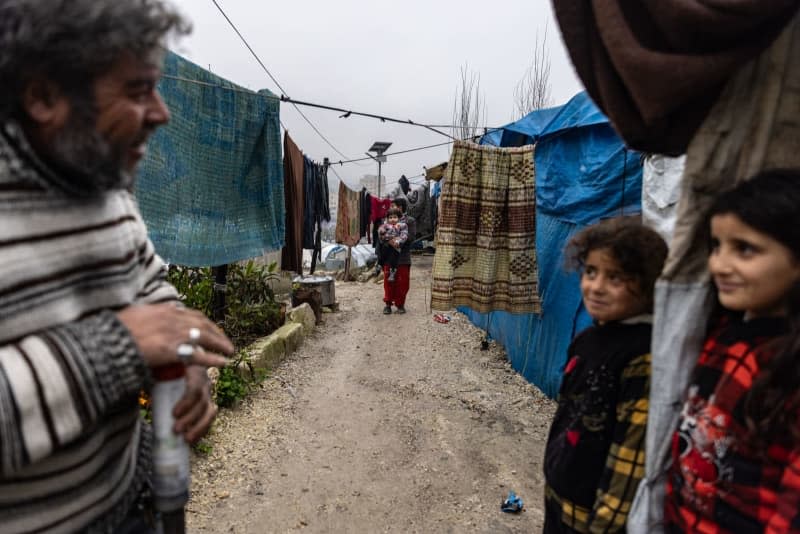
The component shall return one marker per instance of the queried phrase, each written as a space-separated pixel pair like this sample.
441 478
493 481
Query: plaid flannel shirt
718 482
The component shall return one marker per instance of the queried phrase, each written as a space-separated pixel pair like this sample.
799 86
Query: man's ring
185 353
194 335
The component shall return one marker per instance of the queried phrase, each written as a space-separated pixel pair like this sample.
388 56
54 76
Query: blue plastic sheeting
583 171
579 112
211 186
586 174
537 344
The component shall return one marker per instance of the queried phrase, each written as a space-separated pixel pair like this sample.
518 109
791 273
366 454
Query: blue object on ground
512 504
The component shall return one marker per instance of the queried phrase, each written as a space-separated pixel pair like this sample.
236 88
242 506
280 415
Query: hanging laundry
486 239
211 185
378 208
348 217
317 207
293 167
420 207
364 202
405 185
310 207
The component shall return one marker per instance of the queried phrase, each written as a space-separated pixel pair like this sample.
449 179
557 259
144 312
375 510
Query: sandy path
379 424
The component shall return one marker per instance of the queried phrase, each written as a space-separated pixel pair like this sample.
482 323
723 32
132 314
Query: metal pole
379 176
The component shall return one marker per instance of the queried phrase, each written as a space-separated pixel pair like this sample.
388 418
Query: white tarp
362 255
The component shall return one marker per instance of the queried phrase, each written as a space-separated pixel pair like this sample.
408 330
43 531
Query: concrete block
304 316
268 352
292 335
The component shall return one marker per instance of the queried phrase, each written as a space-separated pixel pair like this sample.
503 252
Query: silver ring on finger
186 353
194 335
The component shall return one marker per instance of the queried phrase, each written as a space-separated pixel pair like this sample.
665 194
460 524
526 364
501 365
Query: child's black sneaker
388 309
400 309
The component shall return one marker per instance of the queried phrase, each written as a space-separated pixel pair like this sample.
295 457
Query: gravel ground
379 424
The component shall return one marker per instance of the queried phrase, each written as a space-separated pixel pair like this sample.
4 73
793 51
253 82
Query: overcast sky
398 59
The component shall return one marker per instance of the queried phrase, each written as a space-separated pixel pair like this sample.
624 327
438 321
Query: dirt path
379 424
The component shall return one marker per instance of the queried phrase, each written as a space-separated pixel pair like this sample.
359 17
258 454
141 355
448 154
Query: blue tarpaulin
211 186
584 173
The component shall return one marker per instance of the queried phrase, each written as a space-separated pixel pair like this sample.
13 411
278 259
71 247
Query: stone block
268 352
303 315
292 336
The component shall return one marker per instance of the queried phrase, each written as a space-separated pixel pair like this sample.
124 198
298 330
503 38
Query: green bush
250 312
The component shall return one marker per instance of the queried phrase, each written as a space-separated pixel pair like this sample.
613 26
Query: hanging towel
348 217
211 185
292 255
486 239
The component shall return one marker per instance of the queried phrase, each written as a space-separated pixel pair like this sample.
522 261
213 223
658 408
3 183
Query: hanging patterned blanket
211 186
486 239
348 217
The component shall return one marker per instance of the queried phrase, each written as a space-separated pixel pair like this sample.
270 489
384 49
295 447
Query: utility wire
283 91
396 153
348 112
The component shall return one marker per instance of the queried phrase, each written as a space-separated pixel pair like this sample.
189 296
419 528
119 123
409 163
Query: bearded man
85 311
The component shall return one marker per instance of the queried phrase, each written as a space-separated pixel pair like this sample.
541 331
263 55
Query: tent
584 173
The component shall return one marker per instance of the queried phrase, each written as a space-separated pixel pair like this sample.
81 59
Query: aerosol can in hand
171 468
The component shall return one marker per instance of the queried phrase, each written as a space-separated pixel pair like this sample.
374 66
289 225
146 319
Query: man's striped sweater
74 454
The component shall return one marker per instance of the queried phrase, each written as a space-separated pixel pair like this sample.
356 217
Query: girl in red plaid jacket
736 452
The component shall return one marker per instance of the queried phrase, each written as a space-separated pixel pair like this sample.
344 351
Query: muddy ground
379 424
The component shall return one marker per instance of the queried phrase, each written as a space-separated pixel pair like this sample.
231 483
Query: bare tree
533 90
469 106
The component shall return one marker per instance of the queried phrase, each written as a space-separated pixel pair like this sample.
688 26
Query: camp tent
584 173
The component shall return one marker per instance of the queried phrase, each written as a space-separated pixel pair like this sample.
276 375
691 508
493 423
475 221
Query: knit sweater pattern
74 453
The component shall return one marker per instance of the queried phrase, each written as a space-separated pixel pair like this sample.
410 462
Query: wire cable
347 114
396 153
283 91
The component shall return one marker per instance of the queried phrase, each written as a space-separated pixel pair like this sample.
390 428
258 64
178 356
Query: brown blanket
655 67
292 255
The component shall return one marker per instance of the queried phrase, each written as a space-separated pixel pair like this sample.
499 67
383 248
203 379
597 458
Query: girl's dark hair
639 250
401 203
396 212
770 204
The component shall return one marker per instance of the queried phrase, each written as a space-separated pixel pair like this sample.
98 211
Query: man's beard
91 165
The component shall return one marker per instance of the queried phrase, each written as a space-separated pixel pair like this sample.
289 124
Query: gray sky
398 59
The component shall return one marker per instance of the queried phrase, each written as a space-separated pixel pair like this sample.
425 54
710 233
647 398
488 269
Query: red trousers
395 292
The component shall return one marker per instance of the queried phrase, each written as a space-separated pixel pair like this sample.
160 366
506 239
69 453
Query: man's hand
195 412
158 329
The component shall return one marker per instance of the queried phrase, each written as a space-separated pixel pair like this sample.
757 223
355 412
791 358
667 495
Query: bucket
324 284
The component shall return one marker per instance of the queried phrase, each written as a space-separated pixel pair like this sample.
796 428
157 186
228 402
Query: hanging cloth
210 187
486 240
348 217
405 185
309 204
378 208
656 67
364 201
322 211
293 165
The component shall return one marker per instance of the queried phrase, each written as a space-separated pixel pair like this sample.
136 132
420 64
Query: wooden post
220 274
347 264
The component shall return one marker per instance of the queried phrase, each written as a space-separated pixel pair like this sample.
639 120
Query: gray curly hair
71 42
